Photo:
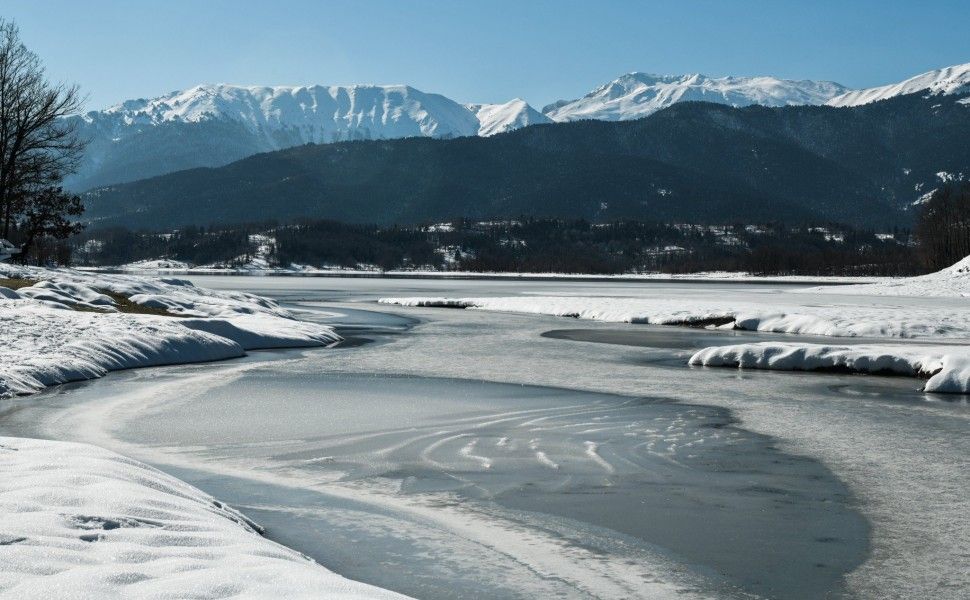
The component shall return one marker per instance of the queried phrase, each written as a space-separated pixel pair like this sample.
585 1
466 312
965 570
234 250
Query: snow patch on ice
946 367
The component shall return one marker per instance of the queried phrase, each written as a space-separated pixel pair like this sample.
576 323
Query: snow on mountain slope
637 95
315 113
499 118
213 125
949 80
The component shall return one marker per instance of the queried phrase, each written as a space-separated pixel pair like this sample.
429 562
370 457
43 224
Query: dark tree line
943 229
193 245
522 245
37 148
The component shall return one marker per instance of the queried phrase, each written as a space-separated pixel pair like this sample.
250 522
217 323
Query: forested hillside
863 165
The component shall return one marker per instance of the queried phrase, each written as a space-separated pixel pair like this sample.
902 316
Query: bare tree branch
38 146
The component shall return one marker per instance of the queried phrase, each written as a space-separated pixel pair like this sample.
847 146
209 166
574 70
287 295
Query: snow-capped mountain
949 80
636 95
499 118
211 125
313 113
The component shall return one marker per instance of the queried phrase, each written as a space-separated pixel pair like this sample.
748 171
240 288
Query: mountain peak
499 118
948 80
228 122
637 94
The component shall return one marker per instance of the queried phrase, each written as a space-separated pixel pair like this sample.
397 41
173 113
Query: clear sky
482 51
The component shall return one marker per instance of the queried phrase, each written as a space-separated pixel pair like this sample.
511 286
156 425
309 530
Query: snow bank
67 327
947 367
954 281
42 346
778 317
77 521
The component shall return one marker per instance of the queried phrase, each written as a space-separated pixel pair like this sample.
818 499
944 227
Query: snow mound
949 80
636 95
67 328
42 346
77 521
947 367
953 281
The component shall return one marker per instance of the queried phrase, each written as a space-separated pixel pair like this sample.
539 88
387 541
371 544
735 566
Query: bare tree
943 227
38 147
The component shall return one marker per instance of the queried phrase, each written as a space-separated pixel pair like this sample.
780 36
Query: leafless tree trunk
38 147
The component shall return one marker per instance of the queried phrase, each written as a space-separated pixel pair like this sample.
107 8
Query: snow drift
946 367
77 521
68 327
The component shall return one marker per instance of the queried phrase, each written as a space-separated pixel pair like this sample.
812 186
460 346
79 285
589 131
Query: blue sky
539 50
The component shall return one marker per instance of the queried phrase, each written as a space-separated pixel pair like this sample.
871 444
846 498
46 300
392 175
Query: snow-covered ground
954 281
947 366
77 521
70 326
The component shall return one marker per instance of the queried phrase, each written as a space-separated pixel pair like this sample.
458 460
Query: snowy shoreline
65 325
163 267
80 521
946 367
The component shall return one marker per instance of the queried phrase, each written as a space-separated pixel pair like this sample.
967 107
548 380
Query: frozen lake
449 453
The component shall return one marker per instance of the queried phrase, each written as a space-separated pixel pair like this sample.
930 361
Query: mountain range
214 125
694 162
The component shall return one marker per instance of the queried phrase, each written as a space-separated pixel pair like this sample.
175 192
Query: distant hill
864 165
